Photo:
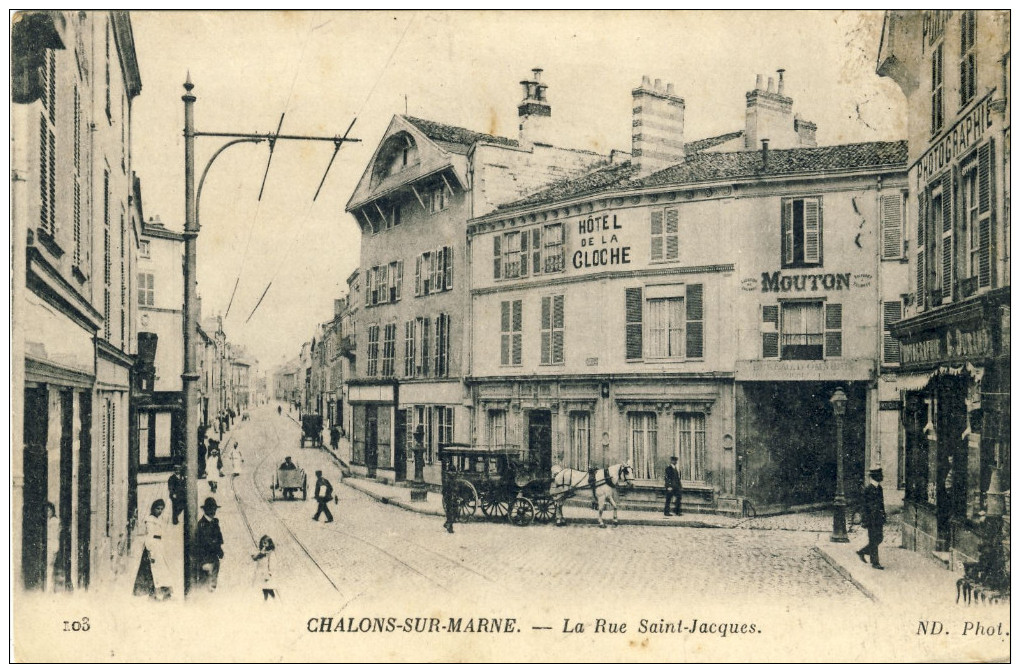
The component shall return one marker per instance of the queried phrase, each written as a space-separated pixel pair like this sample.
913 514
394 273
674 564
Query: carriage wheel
545 509
522 511
304 489
467 499
494 506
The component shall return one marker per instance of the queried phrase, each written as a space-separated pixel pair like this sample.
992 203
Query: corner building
703 299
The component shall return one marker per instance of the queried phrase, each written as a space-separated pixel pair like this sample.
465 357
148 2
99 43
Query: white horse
602 482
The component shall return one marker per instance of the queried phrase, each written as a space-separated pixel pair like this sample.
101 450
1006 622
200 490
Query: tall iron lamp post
838 402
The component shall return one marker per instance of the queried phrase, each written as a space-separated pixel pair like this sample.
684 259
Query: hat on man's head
876 473
673 459
209 504
318 473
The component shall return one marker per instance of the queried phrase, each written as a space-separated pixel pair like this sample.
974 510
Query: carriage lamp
838 402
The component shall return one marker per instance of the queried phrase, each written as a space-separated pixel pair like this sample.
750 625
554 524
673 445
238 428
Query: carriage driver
288 465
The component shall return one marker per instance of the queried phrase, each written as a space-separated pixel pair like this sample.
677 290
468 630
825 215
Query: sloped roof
711 142
449 134
712 166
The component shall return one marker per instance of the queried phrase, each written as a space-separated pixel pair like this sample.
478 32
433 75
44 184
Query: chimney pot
658 84
669 89
780 72
646 82
764 152
537 71
772 85
759 82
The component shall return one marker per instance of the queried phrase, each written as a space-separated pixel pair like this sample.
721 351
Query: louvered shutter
546 329
536 250
557 329
922 248
892 225
672 233
400 280
770 330
448 262
525 256
892 311
656 235
786 230
504 328
417 275
947 236
695 321
634 323
812 231
833 330
985 196
497 256
515 340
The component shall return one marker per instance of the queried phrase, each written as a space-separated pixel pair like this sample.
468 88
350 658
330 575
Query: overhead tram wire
356 116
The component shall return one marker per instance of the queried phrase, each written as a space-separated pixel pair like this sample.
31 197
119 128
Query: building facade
74 75
954 69
691 302
423 183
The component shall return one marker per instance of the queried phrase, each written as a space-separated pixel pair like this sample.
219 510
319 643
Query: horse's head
624 475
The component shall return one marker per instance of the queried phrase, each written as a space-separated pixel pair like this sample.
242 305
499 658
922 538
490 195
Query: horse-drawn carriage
311 430
499 483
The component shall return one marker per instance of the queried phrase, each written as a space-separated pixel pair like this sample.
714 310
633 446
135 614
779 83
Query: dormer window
398 153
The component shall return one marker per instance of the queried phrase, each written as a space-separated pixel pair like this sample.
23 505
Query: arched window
397 153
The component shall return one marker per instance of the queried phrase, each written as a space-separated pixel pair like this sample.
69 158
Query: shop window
802 232
580 439
497 429
552 329
968 59
892 225
510 323
643 444
892 311
690 446
373 350
665 232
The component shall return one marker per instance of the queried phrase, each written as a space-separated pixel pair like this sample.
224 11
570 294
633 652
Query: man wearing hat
176 488
673 487
323 494
208 545
873 516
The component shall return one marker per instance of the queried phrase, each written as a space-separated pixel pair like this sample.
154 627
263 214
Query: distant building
954 68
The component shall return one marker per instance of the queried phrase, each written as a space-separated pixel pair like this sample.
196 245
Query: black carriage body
311 430
498 482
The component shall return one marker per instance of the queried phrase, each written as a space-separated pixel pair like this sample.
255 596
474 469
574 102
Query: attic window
399 152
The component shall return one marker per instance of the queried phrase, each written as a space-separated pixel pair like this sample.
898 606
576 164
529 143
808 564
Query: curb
845 573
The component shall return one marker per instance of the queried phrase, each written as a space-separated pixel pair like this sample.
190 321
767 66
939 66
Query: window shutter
515 341
546 329
400 280
672 233
770 330
536 250
892 225
892 311
497 255
504 328
437 360
984 211
922 248
656 235
557 329
524 253
426 341
448 262
695 321
787 232
947 236
436 269
833 330
634 305
812 231
409 427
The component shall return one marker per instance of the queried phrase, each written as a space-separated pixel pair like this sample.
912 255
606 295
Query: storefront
956 422
375 425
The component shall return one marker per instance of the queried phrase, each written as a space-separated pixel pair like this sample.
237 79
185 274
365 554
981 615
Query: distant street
372 549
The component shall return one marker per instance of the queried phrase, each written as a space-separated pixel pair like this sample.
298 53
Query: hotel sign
961 137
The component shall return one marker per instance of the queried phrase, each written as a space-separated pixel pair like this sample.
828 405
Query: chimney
769 115
534 111
657 126
805 132
764 153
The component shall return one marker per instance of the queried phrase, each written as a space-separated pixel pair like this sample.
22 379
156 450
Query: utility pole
192 198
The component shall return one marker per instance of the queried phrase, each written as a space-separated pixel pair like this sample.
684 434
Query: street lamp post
192 198
838 402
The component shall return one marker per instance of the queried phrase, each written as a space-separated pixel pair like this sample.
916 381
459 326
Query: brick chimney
534 111
769 116
657 138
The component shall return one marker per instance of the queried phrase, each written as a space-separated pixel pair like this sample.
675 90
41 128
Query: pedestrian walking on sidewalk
449 505
264 567
236 459
323 494
674 489
153 577
873 516
334 438
208 545
175 486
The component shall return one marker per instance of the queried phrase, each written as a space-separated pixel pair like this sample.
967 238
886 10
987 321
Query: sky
323 69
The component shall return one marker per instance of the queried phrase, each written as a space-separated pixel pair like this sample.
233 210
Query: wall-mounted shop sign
953 344
965 133
777 282
600 243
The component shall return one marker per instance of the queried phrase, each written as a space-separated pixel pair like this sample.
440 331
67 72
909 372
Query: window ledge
664 261
79 275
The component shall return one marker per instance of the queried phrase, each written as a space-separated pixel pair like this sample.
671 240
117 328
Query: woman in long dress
235 459
154 578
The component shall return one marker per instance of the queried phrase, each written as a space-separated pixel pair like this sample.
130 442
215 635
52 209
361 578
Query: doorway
540 441
34 510
400 444
371 439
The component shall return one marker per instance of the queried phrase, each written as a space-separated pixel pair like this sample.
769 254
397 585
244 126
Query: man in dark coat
176 489
323 494
673 487
873 516
208 545
449 505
